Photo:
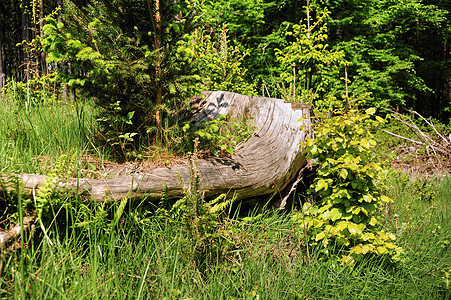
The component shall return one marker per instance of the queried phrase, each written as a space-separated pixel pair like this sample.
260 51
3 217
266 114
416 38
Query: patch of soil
421 162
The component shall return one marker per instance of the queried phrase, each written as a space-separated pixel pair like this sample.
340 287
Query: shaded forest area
395 53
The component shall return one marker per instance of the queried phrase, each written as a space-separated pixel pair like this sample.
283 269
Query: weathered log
265 164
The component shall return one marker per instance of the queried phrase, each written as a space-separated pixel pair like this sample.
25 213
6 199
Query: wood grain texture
265 164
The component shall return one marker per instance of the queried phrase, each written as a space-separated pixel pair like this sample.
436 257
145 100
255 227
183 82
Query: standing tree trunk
25 66
157 40
43 66
158 72
2 73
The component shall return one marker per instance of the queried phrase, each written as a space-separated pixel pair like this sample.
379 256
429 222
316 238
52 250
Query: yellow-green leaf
368 236
335 214
342 225
370 111
373 221
356 210
354 228
321 184
344 173
347 260
320 236
367 248
382 250
357 249
386 199
390 245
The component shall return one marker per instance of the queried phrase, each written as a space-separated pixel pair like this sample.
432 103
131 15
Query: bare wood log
265 164
14 232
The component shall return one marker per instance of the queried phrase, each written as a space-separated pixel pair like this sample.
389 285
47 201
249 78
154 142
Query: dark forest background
395 53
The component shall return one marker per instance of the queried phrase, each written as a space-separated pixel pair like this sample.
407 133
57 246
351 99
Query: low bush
346 193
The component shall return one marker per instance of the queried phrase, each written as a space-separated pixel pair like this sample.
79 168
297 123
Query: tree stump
264 164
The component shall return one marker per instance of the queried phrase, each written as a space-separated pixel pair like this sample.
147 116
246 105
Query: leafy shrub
219 64
346 192
36 91
116 134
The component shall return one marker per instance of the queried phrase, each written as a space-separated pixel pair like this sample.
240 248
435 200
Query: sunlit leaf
382 250
344 173
320 236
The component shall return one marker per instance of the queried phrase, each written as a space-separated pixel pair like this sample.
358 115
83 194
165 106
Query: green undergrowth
193 249
218 137
33 135
133 250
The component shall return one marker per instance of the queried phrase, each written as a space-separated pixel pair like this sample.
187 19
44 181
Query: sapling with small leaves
346 192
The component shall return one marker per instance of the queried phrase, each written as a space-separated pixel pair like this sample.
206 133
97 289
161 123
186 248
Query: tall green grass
143 257
32 136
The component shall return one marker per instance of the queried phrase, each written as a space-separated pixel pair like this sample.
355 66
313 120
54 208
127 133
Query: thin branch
402 137
301 176
413 127
432 125
445 152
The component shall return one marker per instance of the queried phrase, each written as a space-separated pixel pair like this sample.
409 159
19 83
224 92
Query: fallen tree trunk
265 164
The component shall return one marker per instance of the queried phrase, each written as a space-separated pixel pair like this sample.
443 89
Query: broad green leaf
368 236
390 245
129 117
367 248
370 111
382 250
344 173
321 184
365 143
354 229
342 225
356 210
380 120
347 260
357 250
343 193
386 199
320 236
368 198
335 214
314 150
373 221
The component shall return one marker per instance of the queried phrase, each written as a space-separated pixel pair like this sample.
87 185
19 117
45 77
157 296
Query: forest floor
413 160
83 250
